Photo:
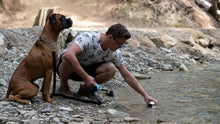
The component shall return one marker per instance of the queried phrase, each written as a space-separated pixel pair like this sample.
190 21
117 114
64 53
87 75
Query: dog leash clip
37 43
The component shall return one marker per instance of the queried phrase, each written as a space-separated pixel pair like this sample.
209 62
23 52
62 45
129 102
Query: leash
54 73
92 90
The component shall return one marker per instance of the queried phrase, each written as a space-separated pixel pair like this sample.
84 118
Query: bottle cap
97 87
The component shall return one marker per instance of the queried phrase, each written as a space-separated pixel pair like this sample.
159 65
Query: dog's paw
50 100
28 102
47 98
15 99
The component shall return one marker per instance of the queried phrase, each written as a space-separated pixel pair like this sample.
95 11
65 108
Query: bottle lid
97 87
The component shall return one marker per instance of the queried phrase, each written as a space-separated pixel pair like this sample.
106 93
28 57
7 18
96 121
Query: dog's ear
52 18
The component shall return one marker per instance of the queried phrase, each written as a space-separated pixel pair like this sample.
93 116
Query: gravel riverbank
148 51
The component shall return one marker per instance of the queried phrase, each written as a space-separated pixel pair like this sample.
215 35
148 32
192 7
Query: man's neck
103 42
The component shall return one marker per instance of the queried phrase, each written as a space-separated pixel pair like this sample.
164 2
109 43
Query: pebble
65 109
131 119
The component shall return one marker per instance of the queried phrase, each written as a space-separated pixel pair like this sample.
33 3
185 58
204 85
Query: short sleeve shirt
92 53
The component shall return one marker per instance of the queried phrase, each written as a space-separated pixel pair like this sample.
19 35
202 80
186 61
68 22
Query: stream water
184 97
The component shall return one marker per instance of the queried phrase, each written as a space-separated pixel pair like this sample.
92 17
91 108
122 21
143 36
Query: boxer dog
38 63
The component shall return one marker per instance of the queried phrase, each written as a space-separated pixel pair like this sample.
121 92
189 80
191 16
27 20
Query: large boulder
162 40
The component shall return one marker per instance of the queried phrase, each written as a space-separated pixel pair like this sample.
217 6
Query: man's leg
64 73
105 72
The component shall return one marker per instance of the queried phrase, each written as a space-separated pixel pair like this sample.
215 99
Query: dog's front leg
46 86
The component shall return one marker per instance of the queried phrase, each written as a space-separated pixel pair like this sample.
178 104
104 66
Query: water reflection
184 97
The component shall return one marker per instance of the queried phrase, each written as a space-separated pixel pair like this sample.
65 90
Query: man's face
116 43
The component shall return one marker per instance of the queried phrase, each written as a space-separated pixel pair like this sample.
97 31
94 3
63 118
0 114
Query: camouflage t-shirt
92 53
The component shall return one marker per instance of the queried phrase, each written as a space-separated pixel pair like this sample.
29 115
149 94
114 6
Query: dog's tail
8 93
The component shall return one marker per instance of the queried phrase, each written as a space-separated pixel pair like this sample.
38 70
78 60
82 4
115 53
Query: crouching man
94 58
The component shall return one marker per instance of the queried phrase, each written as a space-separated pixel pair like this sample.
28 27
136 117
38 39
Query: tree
214 8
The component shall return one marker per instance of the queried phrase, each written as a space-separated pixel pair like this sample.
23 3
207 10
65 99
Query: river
184 97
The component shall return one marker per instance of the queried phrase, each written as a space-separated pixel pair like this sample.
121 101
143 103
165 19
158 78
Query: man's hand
90 81
148 99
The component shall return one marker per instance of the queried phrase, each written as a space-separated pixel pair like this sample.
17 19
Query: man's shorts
90 70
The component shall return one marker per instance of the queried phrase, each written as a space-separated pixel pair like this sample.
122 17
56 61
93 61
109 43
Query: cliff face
99 13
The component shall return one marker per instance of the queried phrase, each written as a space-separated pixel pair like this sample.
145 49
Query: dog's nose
69 21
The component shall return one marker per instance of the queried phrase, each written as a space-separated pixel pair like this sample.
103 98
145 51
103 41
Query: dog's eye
62 18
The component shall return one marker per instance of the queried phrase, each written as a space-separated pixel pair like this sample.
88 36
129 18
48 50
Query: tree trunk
213 9
40 19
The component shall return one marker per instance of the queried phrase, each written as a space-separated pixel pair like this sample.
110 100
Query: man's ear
110 36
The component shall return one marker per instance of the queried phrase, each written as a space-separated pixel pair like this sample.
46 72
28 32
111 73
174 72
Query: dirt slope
102 13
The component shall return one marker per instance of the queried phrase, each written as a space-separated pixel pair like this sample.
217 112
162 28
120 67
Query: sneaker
65 91
84 91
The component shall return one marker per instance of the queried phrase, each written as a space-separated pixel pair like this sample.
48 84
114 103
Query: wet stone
116 113
131 119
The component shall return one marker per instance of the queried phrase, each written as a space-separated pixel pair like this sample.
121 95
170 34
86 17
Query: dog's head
59 21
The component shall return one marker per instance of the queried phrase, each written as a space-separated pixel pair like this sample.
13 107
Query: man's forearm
132 81
76 67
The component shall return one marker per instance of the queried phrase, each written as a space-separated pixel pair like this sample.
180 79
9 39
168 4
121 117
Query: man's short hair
118 31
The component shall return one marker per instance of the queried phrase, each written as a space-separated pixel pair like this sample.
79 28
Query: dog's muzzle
67 23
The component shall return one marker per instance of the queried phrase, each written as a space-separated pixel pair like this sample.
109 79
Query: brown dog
38 63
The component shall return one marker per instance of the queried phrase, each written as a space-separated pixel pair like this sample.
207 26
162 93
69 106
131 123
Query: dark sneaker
65 91
84 91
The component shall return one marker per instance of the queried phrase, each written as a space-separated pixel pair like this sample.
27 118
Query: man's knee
111 69
108 68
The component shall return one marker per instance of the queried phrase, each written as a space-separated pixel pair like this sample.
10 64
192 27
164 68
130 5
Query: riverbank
148 51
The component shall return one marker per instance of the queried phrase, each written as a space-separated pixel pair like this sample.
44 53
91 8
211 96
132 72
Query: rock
180 35
183 68
141 76
116 120
165 50
110 93
203 42
31 121
134 43
65 37
55 119
78 119
65 109
11 122
3 83
190 41
163 40
116 113
145 40
46 111
2 44
131 119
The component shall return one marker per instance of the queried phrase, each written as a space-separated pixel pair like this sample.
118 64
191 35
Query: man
93 58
